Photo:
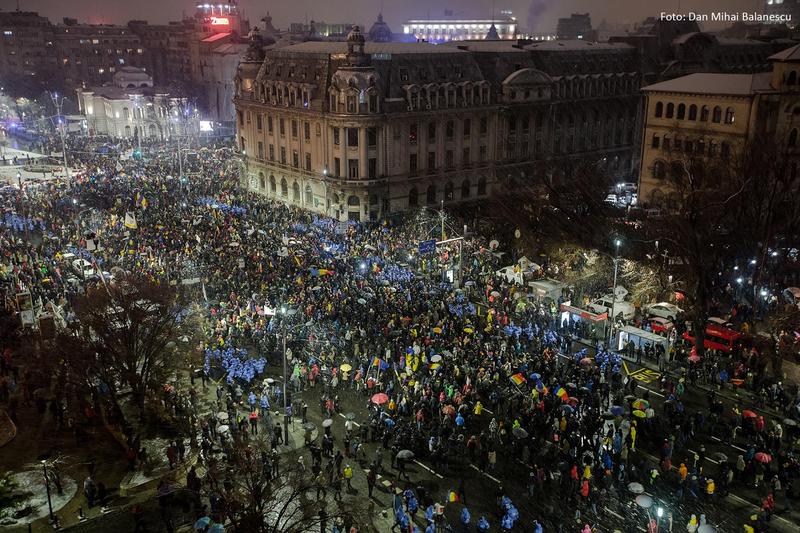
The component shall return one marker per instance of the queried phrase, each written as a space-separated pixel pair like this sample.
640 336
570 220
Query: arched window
262 181
704 114
482 186
659 109
413 197
793 137
431 194
309 196
353 201
717 116
729 117
448 191
658 170
284 188
127 131
681 111
296 192
656 142
670 110
272 188
792 78
692 112
126 113
465 189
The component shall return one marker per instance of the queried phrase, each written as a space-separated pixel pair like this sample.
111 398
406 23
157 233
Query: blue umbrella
202 523
217 528
616 410
536 377
465 516
429 513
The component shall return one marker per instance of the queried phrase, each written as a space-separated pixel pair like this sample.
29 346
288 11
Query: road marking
432 471
487 411
645 375
774 516
651 391
487 475
625 366
707 458
731 445
354 422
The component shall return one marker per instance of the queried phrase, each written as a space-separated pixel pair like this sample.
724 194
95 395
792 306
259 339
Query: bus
718 338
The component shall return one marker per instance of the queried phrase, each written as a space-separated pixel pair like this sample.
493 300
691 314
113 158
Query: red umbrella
573 401
748 414
380 398
762 457
586 361
694 358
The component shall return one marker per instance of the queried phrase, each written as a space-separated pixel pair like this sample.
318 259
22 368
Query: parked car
661 325
664 310
605 303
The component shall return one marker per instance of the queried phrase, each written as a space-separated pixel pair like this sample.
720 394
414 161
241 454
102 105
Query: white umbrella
222 415
436 358
223 429
327 423
362 301
706 528
636 488
316 288
643 500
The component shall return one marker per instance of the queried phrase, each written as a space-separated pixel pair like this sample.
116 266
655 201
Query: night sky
538 15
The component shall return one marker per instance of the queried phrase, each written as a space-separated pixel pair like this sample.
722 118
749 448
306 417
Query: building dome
380 31
355 36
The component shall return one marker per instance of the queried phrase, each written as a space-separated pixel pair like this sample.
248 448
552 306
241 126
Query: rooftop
790 54
716 84
578 44
216 37
339 47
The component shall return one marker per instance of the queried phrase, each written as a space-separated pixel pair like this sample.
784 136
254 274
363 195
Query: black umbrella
520 433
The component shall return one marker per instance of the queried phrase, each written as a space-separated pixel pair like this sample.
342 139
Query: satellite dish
493 244
620 292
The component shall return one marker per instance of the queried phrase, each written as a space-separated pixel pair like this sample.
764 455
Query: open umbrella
762 457
706 528
641 404
269 381
694 358
721 457
362 301
571 386
519 433
223 429
644 501
789 422
617 410
216 528
586 361
328 422
308 426
202 523
567 408
448 410
437 330
630 398
345 368
222 415
350 416
380 398
495 294
573 401
748 414
316 288
608 415
635 488
639 414
436 358
536 377
405 455
469 330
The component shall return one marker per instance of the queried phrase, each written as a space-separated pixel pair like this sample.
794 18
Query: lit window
8 32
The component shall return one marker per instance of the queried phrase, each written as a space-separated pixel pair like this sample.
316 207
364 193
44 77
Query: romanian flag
561 393
518 379
541 387
452 496
376 361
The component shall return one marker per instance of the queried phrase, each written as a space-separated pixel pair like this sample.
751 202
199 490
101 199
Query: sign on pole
427 247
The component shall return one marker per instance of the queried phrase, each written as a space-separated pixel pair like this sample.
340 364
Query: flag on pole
452 496
518 379
130 220
561 393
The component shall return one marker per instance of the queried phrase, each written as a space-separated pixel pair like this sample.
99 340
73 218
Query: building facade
785 8
450 29
576 26
711 118
132 108
358 130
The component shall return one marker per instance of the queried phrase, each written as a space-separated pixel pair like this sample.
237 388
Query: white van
605 303
545 289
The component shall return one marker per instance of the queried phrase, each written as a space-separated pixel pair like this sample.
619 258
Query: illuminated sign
220 21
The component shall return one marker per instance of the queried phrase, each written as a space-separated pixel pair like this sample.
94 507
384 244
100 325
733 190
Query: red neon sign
220 21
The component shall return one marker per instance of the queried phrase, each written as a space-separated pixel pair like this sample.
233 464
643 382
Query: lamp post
47 488
617 244
58 103
286 312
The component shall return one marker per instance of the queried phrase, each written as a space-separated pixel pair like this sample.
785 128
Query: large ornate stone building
712 117
358 130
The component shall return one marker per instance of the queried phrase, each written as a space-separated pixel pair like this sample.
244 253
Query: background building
359 130
576 26
452 29
784 7
132 108
712 117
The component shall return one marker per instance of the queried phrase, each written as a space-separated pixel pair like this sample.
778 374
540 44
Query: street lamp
617 244
47 488
285 312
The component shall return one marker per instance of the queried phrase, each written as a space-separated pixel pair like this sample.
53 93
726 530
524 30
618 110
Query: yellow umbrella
639 414
437 329
434 366
468 330
345 368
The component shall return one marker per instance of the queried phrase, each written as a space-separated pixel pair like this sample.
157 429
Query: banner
130 220
25 307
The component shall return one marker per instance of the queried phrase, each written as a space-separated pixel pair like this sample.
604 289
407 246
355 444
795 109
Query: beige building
357 130
711 117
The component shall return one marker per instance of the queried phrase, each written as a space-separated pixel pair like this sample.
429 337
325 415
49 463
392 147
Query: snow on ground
33 482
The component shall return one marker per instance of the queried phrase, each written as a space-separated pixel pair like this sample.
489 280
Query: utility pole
285 400
617 242
60 119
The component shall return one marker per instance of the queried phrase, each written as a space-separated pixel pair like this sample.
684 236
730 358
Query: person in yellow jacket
587 472
478 409
710 487
633 437
348 476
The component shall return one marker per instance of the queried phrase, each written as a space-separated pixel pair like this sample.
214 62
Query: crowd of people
448 373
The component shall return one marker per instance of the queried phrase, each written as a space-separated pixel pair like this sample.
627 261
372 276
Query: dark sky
541 13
